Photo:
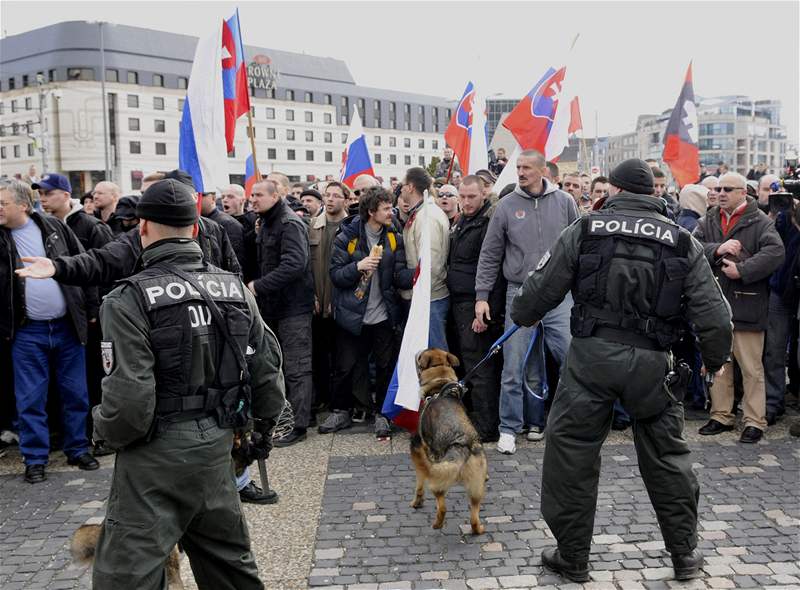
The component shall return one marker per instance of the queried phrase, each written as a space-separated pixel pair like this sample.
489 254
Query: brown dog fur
84 543
447 449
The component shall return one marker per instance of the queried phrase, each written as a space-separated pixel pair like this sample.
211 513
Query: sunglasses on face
730 189
357 192
447 196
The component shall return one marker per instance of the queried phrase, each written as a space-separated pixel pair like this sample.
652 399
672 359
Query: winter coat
349 248
91 232
762 254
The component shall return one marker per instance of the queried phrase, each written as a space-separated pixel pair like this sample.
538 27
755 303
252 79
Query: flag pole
250 132
450 168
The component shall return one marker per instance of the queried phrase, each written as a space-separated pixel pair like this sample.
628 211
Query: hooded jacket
91 232
522 229
762 254
349 248
694 204
82 302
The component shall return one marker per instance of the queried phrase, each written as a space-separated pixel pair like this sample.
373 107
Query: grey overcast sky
630 59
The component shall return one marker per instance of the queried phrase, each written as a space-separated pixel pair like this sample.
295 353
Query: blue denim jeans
517 407
775 345
437 337
243 480
36 345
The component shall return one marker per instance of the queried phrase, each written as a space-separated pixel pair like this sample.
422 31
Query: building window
80 74
2 153
28 103
328 137
329 156
31 150
133 101
421 144
407 160
112 75
14 128
309 117
308 97
133 124
158 80
289 115
181 101
377 158
434 144
290 134
309 136
133 77
392 142
161 149
376 140
271 155
2 130
160 126
270 133
12 83
344 137
407 125
158 103
290 155
135 147
407 142
52 76
360 104
392 124
290 95
270 113
183 83
422 161
309 155
16 151
328 99
136 179
392 159
327 119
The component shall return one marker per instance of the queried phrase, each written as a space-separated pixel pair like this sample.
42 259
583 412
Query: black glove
260 446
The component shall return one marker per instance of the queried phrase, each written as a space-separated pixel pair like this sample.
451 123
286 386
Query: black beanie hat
170 202
126 207
181 176
633 175
310 192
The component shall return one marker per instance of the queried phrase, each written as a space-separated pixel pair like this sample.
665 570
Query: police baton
262 472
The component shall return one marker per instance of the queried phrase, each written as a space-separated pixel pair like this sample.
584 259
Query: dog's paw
416 503
437 524
478 530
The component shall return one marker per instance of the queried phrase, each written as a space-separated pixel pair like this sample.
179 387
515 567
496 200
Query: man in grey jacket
526 223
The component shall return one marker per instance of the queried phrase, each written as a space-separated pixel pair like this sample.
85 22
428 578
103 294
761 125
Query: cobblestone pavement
346 524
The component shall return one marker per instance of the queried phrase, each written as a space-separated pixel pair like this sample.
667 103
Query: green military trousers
596 373
178 487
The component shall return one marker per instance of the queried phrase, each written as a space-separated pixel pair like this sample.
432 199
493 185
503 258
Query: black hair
371 199
419 179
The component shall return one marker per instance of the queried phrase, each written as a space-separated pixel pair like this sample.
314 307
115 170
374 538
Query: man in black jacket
284 290
744 249
47 324
475 336
209 210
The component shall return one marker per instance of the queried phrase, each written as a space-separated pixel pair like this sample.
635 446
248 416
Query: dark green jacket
129 396
634 287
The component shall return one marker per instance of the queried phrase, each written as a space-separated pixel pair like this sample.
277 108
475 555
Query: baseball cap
51 182
486 176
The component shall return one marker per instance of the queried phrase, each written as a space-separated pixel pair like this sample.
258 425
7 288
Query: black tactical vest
607 236
181 326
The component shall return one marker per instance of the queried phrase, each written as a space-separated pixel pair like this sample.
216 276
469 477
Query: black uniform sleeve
100 236
403 276
265 365
91 295
114 261
229 260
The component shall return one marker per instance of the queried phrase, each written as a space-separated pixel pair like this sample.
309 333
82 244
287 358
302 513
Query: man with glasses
447 199
360 185
744 249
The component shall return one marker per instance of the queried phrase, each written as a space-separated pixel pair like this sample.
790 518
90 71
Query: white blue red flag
234 76
355 159
543 119
401 404
681 150
249 175
458 134
202 148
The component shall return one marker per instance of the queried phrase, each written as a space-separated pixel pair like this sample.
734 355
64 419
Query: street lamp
42 129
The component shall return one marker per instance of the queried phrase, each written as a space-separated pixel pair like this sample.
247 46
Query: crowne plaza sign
261 73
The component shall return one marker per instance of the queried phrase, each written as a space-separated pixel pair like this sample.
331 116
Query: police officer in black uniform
187 359
636 277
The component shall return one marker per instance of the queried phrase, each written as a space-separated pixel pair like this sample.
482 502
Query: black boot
686 565
573 571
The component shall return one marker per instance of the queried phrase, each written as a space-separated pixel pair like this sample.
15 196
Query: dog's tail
84 543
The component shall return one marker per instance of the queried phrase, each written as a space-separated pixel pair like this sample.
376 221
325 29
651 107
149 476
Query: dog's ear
452 359
424 359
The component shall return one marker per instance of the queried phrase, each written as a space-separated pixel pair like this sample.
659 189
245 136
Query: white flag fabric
478 151
509 174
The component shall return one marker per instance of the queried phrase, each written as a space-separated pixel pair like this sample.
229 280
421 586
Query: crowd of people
332 268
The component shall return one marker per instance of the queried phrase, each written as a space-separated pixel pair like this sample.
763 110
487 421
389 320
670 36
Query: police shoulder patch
107 356
543 261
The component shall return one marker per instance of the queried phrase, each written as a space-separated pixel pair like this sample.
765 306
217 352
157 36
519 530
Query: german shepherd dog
446 449
84 543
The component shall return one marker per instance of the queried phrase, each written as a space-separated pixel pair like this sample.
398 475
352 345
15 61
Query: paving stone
749 569
483 583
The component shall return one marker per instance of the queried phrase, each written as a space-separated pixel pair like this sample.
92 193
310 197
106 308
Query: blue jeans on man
517 407
437 329
36 345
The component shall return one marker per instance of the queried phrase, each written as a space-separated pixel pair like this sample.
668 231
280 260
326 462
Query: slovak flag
401 405
234 76
355 159
681 149
202 147
470 150
249 175
543 119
